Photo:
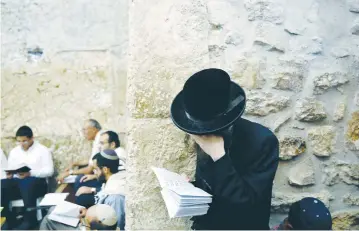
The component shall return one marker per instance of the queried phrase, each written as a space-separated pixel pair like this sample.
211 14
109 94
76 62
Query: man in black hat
307 214
236 158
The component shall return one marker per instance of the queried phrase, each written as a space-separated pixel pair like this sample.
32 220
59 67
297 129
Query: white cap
106 214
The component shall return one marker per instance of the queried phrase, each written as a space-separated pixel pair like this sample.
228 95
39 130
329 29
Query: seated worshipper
92 131
108 140
307 214
112 193
236 158
97 217
26 185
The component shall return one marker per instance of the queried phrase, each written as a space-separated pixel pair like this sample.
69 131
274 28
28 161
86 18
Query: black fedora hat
208 103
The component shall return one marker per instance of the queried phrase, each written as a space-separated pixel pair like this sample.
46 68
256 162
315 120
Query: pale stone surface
325 81
154 143
352 134
351 199
340 52
269 37
322 140
263 103
291 147
302 174
281 201
266 10
355 27
278 123
353 6
246 72
346 220
309 109
340 171
356 99
305 45
288 80
339 112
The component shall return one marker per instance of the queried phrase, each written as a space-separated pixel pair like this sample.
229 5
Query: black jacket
241 181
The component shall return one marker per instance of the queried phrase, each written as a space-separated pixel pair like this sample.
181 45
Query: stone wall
299 63
62 62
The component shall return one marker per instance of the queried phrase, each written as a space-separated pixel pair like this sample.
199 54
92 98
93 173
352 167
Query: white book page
189 192
70 179
53 199
64 220
67 209
170 179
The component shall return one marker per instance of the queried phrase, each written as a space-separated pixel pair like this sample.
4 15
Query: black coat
241 181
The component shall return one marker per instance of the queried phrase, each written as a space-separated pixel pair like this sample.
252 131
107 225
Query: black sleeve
251 186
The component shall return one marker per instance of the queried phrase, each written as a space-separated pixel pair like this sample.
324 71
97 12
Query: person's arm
47 165
86 170
250 187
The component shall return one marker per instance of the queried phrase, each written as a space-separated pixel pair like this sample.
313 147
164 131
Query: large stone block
346 220
322 140
281 201
309 109
323 82
291 147
338 171
266 10
351 199
355 27
154 143
352 134
264 103
302 174
288 80
247 72
158 68
339 112
353 6
305 45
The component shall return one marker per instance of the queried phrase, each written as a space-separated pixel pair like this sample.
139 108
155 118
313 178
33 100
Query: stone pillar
168 42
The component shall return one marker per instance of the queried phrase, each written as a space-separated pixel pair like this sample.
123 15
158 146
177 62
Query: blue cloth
86 200
117 202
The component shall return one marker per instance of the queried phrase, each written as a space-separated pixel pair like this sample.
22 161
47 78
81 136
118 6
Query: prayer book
66 213
16 168
182 198
51 199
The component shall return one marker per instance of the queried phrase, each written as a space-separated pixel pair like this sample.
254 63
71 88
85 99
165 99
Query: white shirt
37 157
121 153
3 164
96 147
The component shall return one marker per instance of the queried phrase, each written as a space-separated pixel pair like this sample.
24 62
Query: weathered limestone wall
62 62
299 63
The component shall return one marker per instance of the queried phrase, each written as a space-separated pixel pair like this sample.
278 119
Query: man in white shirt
92 132
108 140
29 185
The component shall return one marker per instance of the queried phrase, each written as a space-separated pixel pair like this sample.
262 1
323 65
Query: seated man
97 217
108 140
92 132
307 214
27 186
112 193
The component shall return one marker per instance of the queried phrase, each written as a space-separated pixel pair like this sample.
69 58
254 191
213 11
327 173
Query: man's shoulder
40 147
250 127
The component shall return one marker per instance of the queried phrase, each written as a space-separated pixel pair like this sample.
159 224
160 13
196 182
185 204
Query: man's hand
9 175
211 144
72 166
62 176
83 212
23 175
88 178
83 190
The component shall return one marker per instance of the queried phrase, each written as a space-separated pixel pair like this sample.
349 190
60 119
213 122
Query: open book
16 168
51 199
182 199
66 213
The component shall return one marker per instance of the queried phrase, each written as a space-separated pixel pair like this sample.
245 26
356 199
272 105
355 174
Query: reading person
236 159
30 164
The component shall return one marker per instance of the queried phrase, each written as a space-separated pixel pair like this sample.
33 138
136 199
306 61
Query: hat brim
183 122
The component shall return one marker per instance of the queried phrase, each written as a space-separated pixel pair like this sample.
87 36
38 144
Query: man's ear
113 145
106 170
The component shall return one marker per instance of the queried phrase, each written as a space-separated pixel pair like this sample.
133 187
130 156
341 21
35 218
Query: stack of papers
51 199
182 199
66 213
